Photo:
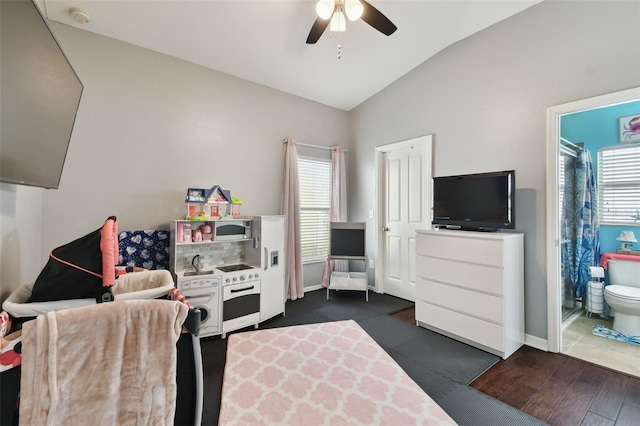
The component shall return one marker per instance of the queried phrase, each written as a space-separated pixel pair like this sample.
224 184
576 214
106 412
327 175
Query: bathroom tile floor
579 342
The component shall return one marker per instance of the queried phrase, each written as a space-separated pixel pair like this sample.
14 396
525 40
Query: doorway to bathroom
573 129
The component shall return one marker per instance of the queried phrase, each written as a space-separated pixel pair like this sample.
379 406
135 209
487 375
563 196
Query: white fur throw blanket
107 364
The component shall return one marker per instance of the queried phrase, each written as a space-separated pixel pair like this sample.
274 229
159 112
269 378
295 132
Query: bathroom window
619 185
314 180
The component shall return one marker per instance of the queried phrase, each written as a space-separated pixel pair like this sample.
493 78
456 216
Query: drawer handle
192 296
242 289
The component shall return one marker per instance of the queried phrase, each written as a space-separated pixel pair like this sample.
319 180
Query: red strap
74 266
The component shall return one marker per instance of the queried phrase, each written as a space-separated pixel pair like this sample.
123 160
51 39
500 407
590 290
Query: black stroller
84 273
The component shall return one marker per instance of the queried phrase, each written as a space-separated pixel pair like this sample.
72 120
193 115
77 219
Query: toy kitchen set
229 266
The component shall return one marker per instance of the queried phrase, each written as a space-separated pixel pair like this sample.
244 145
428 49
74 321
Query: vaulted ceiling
263 41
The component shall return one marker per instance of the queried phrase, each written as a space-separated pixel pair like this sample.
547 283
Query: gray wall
485 101
150 126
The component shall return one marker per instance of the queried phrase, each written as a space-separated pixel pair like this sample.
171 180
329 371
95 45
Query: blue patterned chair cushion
145 249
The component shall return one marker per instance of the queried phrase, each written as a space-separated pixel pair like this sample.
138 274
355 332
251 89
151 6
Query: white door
405 192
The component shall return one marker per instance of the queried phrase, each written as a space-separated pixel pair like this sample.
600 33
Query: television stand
470 287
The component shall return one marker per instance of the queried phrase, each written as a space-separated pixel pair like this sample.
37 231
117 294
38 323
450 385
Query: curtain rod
571 144
314 146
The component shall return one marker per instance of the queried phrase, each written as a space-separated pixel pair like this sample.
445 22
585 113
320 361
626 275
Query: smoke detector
79 15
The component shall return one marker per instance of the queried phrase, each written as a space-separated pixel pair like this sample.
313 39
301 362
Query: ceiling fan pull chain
339 51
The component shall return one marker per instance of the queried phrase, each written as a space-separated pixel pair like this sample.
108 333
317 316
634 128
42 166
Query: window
619 185
314 179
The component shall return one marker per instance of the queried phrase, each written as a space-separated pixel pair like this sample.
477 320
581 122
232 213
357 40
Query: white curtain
291 210
338 205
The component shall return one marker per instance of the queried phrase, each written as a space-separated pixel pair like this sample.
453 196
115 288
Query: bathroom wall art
630 128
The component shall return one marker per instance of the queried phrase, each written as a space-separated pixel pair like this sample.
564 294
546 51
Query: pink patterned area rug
319 374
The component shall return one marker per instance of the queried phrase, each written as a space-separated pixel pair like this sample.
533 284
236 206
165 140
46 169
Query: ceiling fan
331 13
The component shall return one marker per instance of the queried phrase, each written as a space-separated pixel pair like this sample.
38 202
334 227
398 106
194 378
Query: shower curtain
580 229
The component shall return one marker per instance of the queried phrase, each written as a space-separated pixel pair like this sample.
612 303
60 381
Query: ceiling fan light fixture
340 10
354 9
338 23
324 8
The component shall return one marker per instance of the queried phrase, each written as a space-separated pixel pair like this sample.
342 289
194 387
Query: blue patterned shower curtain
580 229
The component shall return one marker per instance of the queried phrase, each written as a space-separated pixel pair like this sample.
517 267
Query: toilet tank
622 272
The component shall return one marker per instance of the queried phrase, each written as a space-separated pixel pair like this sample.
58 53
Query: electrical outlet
371 264
370 214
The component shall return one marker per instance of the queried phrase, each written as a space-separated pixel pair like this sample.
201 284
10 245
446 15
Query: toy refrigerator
267 251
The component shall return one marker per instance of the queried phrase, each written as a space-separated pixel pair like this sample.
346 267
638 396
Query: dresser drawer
487 279
470 328
455 247
479 305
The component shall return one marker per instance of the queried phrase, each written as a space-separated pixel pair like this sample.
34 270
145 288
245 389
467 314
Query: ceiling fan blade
376 19
317 29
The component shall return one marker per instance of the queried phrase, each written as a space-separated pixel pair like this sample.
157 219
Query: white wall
150 126
485 100
20 235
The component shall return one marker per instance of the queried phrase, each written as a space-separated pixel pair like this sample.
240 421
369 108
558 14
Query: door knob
385 229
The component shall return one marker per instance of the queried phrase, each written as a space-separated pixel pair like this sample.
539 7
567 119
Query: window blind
619 185
314 184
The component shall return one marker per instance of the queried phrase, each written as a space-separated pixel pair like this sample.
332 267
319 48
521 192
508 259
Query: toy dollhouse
207 204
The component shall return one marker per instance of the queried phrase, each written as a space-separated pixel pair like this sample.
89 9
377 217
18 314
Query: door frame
380 198
554 114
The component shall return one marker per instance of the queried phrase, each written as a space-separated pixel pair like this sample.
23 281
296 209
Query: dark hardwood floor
559 389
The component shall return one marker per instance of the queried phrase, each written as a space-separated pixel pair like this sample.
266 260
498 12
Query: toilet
623 295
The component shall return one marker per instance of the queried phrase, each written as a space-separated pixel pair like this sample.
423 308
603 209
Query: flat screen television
475 202
347 240
40 98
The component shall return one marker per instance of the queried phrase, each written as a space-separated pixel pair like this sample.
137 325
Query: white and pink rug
319 374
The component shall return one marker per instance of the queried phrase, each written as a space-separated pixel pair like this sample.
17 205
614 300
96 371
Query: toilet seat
623 292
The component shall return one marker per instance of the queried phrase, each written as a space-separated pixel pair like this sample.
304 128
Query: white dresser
470 286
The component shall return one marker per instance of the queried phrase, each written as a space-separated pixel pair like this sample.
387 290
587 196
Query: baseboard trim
536 342
313 288
529 340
